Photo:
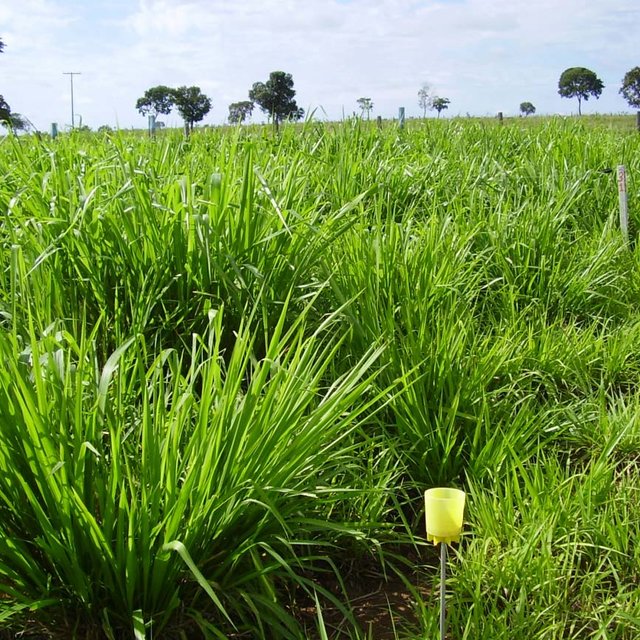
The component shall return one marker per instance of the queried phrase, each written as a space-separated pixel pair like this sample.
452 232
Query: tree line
583 83
275 97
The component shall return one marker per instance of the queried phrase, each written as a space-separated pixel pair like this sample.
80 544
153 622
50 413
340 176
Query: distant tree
630 89
104 128
275 98
581 83
366 106
5 110
440 104
240 111
155 101
192 104
16 122
424 99
527 108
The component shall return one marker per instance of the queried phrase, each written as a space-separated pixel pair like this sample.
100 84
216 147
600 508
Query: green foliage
5 111
240 111
230 364
192 104
581 83
108 472
275 97
630 88
527 108
156 100
440 104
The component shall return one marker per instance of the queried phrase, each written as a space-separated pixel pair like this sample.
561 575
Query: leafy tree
424 99
192 104
5 110
240 111
440 104
105 128
527 108
581 83
155 101
16 122
275 98
366 105
630 89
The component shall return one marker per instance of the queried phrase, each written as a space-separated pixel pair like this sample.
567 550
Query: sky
484 55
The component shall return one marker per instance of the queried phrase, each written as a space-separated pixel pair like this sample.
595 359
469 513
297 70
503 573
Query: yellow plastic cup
444 510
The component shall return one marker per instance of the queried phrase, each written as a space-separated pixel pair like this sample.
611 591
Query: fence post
401 117
624 203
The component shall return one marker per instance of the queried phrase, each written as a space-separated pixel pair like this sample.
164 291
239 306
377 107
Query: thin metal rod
443 580
71 74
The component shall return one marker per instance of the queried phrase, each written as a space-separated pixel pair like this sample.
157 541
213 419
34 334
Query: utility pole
71 74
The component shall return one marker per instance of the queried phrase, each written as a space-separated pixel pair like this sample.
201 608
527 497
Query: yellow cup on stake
444 510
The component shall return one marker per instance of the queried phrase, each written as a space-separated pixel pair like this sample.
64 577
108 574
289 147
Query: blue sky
484 55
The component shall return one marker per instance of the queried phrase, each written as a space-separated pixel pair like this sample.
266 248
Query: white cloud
485 55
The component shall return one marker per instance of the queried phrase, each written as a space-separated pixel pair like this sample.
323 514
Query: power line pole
71 74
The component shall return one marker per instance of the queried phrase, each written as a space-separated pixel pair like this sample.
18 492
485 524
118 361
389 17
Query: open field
231 365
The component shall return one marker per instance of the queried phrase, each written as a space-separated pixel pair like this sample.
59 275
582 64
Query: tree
275 98
240 111
155 101
12 120
192 104
424 99
366 105
630 89
527 108
5 110
581 83
440 104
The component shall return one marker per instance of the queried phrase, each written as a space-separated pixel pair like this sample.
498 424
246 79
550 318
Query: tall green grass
231 363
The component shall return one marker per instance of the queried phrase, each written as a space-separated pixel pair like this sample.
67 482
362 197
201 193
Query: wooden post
54 130
379 119
638 120
624 203
152 125
401 117
500 120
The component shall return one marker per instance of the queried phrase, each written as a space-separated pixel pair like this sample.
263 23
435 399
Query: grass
231 364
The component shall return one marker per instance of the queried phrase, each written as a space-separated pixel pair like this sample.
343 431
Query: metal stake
443 579
71 74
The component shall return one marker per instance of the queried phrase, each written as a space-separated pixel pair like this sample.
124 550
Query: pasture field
230 366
